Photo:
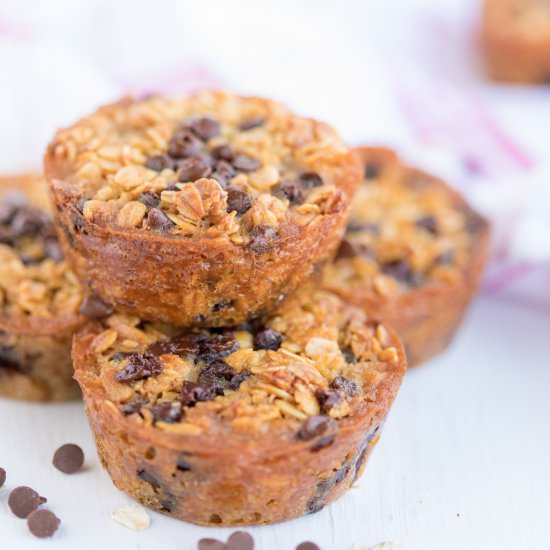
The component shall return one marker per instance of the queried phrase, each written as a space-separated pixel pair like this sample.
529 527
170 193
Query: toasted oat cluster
209 165
406 230
34 279
312 363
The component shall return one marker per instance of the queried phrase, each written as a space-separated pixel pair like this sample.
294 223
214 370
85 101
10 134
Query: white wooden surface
464 462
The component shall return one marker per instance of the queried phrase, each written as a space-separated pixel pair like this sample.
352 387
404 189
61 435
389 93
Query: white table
463 462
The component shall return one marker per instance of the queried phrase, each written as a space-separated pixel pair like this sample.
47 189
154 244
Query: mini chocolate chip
24 500
250 123
307 546
262 239
158 163
346 385
95 308
183 465
238 201
399 270
372 171
69 458
223 152
140 366
223 173
268 339
239 540
245 163
205 128
310 180
130 408
187 343
349 249
315 426
349 356
322 443
238 379
193 168
184 143
429 223
158 220
146 476
43 523
327 399
167 412
221 305
210 544
150 199
2 477
191 393
217 369
289 189
217 347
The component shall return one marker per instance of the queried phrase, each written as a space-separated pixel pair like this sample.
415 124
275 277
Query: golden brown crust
426 312
38 307
227 468
516 39
213 273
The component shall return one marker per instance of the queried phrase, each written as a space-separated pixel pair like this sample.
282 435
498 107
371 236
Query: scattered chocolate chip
2 477
327 399
43 523
150 199
372 171
307 546
311 179
187 343
217 347
130 408
194 168
184 143
95 308
167 412
183 465
238 201
68 458
289 189
238 379
146 476
315 426
192 393
140 366
158 163
429 223
239 540
223 152
245 163
262 239
268 339
157 220
24 500
28 222
400 270
346 385
250 123
205 128
322 443
223 172
349 356
349 249
210 544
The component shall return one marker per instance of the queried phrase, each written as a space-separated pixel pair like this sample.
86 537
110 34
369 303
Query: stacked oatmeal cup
231 302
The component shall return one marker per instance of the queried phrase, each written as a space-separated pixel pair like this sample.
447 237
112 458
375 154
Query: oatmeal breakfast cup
205 210
516 38
251 424
413 254
39 297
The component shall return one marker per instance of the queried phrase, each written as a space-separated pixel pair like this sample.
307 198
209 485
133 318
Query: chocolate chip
327 399
400 270
130 408
24 500
315 426
346 385
268 339
167 412
218 306
158 163
289 189
250 123
310 180
223 152
372 171
95 308
43 523
157 220
238 201
193 168
205 128
146 476
182 465
429 223
53 250
68 458
7 212
184 143
262 239
245 163
307 546
239 540
140 366
238 379
27 222
217 347
187 343
349 356
192 393
2 477
349 250
210 544
150 199
218 369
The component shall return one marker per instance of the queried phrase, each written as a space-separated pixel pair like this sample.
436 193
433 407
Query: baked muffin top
209 165
407 229
311 364
34 278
